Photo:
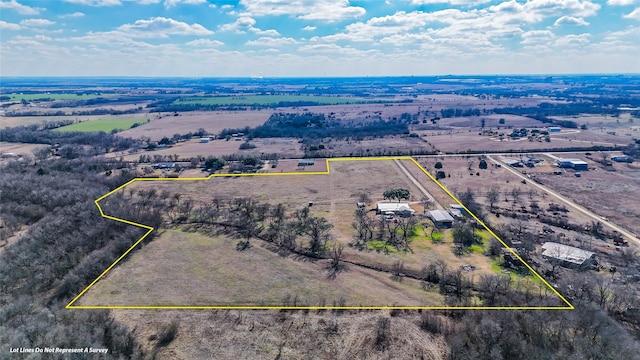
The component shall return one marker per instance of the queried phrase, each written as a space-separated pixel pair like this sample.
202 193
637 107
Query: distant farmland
101 125
45 96
270 99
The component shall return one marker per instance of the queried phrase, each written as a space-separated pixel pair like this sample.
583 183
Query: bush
167 333
247 145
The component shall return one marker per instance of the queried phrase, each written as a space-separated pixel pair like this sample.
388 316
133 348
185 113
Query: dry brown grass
188 269
19 148
193 148
295 335
211 121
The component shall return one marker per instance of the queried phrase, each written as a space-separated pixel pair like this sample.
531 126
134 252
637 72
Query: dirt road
417 184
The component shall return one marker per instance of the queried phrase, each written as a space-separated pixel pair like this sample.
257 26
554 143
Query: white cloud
573 40
270 32
309 28
171 3
167 3
76 14
271 42
450 2
21 9
323 10
226 7
8 26
162 27
243 24
634 15
205 43
620 2
570 20
95 2
37 22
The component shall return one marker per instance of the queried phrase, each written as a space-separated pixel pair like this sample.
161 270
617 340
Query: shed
554 129
567 256
441 218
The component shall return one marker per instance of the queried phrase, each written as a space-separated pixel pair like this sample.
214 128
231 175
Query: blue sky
291 38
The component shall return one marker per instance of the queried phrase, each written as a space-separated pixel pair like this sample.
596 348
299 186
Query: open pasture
165 124
197 270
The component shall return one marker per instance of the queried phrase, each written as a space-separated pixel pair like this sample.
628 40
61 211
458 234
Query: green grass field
268 99
31 97
101 125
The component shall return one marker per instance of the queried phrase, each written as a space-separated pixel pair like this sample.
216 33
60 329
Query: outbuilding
622 158
575 164
441 218
568 256
393 208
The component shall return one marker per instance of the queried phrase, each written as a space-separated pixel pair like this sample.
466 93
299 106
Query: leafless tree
492 196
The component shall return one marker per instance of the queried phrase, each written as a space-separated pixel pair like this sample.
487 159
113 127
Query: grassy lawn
268 99
101 125
31 97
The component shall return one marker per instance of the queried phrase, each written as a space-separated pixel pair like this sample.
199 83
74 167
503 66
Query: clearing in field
187 270
106 125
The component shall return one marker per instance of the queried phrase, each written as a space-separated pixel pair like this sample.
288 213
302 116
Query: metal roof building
569 256
575 164
391 207
441 218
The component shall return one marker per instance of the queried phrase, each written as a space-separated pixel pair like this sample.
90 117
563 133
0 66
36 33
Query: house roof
566 253
440 215
394 207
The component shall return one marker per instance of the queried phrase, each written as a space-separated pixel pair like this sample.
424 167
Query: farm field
55 96
287 147
106 125
270 99
206 270
165 125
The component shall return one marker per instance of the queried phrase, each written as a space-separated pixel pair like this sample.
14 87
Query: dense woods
65 245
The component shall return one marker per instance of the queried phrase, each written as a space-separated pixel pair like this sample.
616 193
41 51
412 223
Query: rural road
417 184
627 234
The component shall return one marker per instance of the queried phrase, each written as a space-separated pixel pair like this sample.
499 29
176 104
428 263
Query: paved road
627 234
417 184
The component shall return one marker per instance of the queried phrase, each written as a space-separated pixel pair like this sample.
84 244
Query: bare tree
515 194
426 203
492 196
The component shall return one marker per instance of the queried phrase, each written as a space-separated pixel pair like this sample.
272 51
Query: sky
317 38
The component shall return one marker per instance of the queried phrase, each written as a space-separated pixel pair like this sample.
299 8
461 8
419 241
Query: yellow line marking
256 307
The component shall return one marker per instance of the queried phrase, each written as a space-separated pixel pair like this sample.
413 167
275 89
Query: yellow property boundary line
250 307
